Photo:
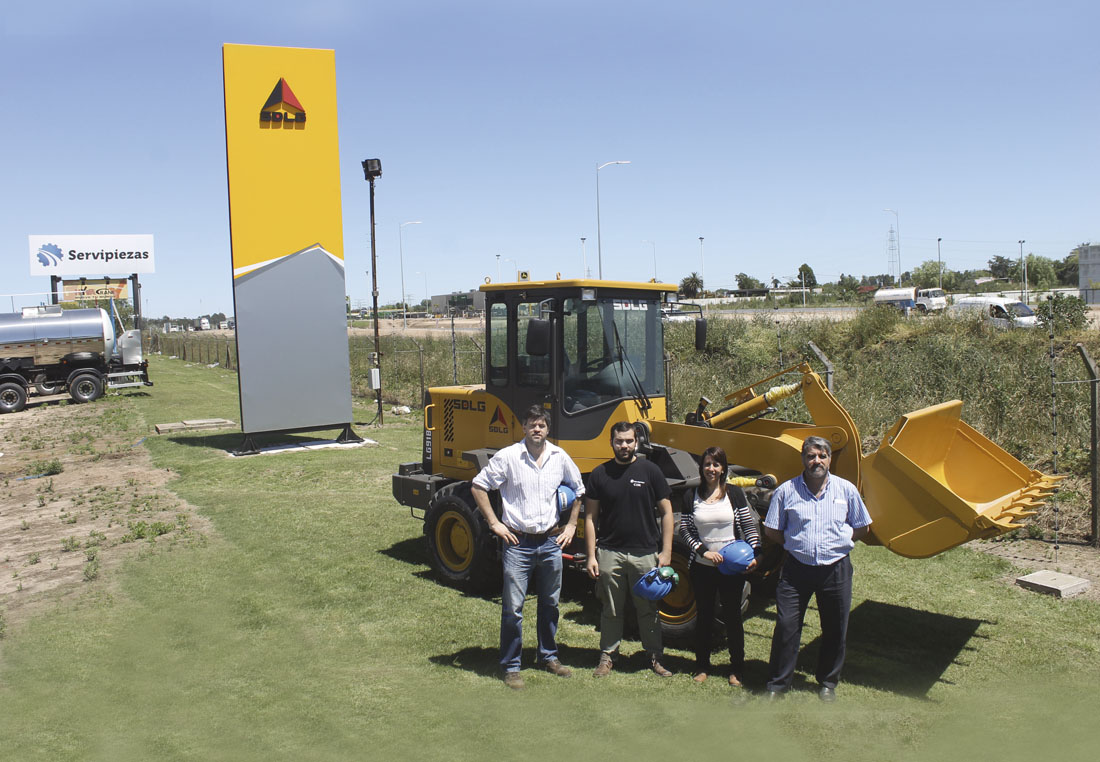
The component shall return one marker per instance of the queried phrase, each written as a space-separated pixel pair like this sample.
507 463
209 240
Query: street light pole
897 225
599 237
701 276
401 254
939 260
584 259
1023 269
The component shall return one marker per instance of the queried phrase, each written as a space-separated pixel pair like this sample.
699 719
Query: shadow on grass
898 649
232 441
412 551
486 661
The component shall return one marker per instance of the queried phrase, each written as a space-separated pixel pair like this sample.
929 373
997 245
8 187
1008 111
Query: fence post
1090 366
481 360
828 366
454 347
420 354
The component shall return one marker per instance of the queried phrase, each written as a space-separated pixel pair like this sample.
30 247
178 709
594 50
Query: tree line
1042 273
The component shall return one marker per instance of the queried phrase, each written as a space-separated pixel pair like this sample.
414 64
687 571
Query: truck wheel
13 397
49 387
459 543
86 387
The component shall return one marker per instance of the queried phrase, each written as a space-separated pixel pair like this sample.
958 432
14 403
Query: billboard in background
86 289
287 238
90 254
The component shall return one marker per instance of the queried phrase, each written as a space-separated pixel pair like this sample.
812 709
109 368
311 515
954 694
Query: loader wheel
459 543
13 397
86 387
677 609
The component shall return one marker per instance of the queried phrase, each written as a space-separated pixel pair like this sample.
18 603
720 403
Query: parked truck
49 349
593 353
923 300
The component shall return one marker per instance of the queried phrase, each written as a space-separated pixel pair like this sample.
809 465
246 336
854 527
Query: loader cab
583 349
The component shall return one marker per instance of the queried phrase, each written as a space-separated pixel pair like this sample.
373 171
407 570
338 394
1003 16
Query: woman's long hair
718 455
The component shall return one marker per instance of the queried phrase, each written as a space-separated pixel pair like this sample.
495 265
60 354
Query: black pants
832 585
708 584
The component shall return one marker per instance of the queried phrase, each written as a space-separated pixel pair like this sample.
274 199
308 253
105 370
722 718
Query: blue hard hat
736 557
566 497
652 585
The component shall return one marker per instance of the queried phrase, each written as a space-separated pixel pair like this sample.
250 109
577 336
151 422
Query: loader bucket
935 483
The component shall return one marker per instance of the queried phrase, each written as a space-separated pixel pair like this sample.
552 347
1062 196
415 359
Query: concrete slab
1053 583
194 425
320 444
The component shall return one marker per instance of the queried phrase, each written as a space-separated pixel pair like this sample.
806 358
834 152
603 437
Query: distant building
1088 272
460 301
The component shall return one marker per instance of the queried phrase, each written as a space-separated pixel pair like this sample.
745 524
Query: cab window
498 344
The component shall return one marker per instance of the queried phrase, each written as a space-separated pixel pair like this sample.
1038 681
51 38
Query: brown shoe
557 668
514 680
735 682
655 665
603 669
700 677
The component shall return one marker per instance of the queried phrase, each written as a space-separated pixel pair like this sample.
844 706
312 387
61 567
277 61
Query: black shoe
827 694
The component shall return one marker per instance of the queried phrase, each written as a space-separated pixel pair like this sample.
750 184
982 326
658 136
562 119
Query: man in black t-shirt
624 542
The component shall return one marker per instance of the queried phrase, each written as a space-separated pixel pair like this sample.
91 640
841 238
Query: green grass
309 627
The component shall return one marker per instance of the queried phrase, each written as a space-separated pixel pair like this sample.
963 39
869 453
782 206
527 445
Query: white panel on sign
90 255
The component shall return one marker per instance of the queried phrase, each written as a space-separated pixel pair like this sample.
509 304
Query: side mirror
700 334
538 338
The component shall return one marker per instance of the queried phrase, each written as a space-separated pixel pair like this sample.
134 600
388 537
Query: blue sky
777 131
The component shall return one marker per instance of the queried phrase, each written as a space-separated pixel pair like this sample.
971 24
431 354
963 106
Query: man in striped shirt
818 517
528 474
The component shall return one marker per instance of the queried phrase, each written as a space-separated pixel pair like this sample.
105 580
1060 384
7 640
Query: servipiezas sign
90 254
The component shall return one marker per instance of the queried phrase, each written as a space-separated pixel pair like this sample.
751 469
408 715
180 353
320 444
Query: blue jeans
521 562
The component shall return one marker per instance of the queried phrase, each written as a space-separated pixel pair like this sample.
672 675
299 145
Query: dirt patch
78 494
1076 559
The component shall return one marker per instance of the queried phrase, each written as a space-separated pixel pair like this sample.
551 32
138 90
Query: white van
907 299
1002 311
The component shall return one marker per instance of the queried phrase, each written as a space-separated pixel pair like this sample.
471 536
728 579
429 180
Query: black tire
86 387
49 387
460 545
677 610
13 397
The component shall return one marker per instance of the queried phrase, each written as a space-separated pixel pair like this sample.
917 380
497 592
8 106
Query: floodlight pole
372 168
939 263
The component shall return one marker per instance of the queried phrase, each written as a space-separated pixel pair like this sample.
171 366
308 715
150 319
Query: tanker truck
49 349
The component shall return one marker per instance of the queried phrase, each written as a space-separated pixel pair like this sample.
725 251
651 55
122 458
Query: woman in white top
713 516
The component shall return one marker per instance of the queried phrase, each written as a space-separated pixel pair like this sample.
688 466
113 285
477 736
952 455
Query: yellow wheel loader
592 353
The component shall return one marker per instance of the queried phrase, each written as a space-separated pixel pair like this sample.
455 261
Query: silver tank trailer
50 334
